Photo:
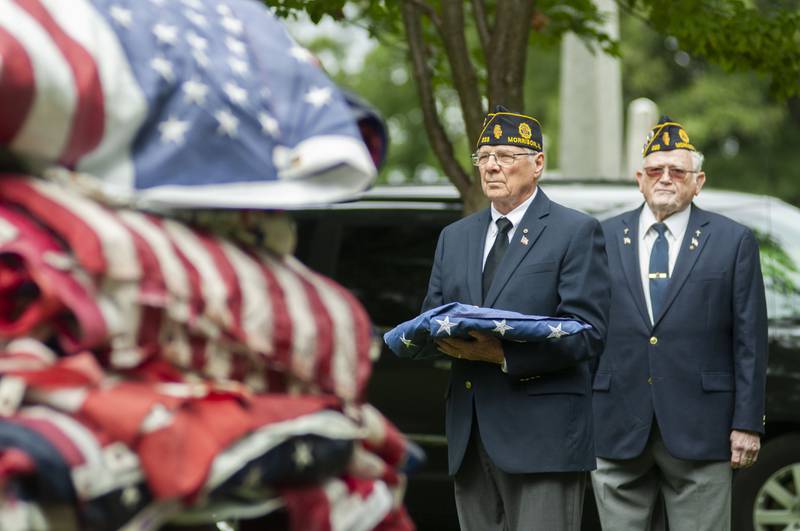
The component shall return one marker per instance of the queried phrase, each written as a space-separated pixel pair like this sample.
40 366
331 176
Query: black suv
381 247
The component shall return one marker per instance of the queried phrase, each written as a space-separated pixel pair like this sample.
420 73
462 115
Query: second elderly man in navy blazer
519 419
679 392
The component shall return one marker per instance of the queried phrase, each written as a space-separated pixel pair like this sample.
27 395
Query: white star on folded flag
302 455
236 93
195 92
196 41
197 19
556 332
232 25
501 327
301 54
407 342
122 16
228 123
166 34
445 325
173 130
318 96
163 67
269 124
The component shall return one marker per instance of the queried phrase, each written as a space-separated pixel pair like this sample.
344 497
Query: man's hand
744 448
483 347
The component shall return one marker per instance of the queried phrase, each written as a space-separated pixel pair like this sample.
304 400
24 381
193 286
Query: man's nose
491 162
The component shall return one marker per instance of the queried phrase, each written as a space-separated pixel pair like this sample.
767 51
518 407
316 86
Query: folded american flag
197 103
415 338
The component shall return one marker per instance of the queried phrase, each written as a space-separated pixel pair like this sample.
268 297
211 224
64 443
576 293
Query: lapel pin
697 232
626 230
694 244
524 240
626 240
524 231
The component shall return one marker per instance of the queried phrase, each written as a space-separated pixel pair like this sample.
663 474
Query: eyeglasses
676 173
502 159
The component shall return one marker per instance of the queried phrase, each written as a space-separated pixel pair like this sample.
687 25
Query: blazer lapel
476 242
694 241
525 237
628 246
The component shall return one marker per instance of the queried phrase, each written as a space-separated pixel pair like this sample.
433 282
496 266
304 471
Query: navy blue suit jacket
700 370
537 417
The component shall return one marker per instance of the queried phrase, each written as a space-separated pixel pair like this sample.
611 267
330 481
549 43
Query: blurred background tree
728 70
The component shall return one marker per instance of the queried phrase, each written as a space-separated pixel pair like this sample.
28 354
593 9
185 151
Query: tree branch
440 143
479 12
465 81
508 51
429 10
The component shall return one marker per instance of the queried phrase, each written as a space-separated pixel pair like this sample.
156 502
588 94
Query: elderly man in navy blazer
679 391
519 419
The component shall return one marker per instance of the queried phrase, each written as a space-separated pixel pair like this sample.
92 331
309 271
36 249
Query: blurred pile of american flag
152 372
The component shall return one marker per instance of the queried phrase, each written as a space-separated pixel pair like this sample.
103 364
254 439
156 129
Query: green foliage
724 68
733 35
748 136
315 10
778 268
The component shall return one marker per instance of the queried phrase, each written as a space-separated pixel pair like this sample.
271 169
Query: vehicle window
777 228
383 257
387 266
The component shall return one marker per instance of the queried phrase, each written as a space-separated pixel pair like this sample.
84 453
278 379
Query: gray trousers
697 494
489 499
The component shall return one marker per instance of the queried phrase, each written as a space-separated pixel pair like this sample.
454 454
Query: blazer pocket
699 276
717 381
555 386
539 267
602 381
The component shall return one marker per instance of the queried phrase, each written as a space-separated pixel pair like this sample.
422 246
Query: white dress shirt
676 228
515 217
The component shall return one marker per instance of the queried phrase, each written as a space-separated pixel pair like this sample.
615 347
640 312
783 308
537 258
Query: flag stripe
211 284
47 126
256 312
303 326
88 119
16 74
341 365
124 99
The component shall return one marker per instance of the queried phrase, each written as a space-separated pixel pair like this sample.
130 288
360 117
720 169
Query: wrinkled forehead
676 157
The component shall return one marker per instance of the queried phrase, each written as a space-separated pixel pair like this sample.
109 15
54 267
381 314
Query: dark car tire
777 461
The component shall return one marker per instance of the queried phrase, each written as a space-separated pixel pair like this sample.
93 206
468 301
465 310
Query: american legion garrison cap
666 136
504 128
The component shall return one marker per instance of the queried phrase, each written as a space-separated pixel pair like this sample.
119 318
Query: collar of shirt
515 217
676 225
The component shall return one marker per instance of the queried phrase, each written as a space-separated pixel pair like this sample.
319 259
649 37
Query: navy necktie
659 269
496 253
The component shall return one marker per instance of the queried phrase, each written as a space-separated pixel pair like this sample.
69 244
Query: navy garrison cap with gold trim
666 136
504 128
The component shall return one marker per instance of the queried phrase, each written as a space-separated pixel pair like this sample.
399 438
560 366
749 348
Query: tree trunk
473 199
505 47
